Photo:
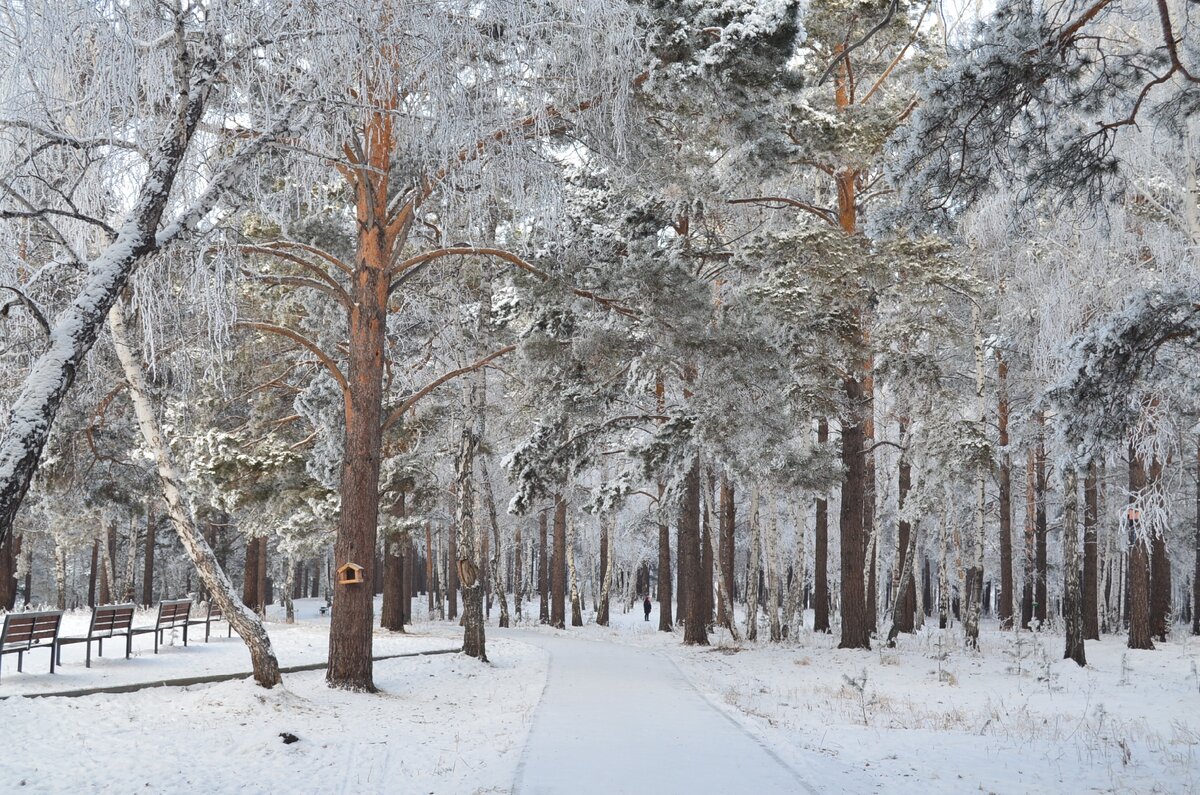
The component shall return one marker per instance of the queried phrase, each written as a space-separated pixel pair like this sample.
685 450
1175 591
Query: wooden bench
27 631
172 614
108 621
214 615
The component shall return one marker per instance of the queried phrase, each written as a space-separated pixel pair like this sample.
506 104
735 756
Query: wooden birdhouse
350 574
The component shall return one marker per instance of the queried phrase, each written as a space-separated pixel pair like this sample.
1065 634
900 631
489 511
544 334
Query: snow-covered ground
926 717
931 717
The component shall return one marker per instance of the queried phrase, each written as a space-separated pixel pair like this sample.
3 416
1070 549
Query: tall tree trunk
10 553
943 575
128 588
695 629
1160 568
724 602
1040 597
605 573
1139 564
1007 591
289 608
148 568
726 553
7 572
1030 539
705 582
771 548
821 550
543 569
799 578
664 567
489 502
391 614
468 568
856 630
250 577
905 601
558 566
870 529
753 566
1091 585
576 600
518 574
248 626
1072 597
975 578
264 588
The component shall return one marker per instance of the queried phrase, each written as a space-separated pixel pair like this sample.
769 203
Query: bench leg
185 629
88 656
157 638
100 641
52 660
20 661
128 644
206 629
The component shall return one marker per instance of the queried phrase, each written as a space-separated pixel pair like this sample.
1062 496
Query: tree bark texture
821 550
148 562
391 614
856 627
543 571
1160 568
1007 592
695 629
470 572
1138 571
905 600
558 566
726 551
1040 596
1072 592
665 623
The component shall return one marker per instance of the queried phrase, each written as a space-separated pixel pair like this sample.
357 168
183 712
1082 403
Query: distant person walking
646 606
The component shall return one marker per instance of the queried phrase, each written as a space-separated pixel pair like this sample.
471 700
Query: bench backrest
214 610
27 630
173 613
108 620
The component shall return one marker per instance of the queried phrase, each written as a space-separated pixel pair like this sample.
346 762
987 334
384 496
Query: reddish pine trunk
856 628
543 572
558 566
1030 511
905 614
148 570
1160 573
1040 528
249 576
8 574
664 572
821 552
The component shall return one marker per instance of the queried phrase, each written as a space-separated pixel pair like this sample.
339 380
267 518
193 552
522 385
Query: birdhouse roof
349 566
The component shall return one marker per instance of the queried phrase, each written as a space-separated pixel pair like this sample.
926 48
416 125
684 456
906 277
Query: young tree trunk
1091 585
726 552
799 577
60 576
576 601
108 584
943 576
543 570
429 584
289 608
148 568
606 566
870 530
264 582
856 630
8 572
128 586
695 629
558 566
821 550
489 502
771 548
1160 569
1007 592
248 625
754 567
518 574
907 572
1139 565
1072 596
904 606
664 568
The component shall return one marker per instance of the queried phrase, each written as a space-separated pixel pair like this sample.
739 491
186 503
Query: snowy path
617 719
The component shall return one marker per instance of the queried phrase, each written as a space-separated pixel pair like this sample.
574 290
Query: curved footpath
616 719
